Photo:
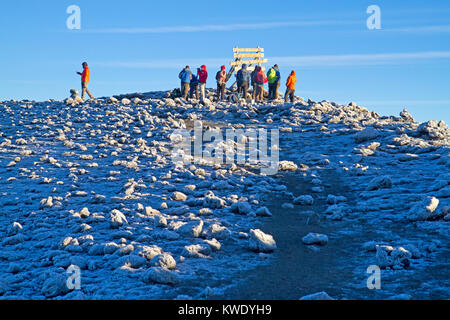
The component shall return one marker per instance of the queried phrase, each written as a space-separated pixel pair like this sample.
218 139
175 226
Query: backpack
272 75
242 76
221 77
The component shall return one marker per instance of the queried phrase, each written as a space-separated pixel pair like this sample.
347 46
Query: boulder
424 209
261 242
315 238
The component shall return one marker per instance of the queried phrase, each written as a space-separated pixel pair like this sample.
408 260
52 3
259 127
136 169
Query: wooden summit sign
255 56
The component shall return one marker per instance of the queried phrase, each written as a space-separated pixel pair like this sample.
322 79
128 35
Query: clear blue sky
140 46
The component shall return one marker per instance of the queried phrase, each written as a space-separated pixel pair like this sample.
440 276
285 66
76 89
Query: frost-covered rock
84 213
424 209
366 135
219 232
384 182
178 196
397 258
287 166
213 202
117 219
14 229
191 229
241 207
434 130
406 116
261 242
263 212
160 275
149 252
125 101
315 238
165 261
304 200
54 286
197 250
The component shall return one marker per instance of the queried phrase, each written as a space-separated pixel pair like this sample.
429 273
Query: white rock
213 202
424 209
125 101
165 261
149 252
191 229
117 219
84 213
197 250
261 242
315 238
178 196
287 166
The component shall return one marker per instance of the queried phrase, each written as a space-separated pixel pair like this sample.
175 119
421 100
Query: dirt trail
297 270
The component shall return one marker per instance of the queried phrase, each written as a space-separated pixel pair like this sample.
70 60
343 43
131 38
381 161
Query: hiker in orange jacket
85 80
290 87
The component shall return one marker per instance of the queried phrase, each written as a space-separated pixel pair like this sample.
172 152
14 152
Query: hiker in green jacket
274 77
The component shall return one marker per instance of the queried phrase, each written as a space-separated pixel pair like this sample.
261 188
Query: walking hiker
202 77
260 79
194 86
273 76
290 87
85 81
243 79
185 77
221 78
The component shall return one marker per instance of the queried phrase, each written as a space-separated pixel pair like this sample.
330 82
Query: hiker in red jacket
202 77
85 81
221 78
260 79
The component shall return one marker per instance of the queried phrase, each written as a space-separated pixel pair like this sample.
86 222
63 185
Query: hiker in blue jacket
185 77
243 80
194 87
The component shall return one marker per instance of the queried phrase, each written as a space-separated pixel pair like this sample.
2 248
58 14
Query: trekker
252 77
185 77
243 79
202 77
260 79
273 76
290 87
221 78
85 81
194 86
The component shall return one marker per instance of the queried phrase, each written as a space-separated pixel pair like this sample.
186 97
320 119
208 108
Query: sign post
255 57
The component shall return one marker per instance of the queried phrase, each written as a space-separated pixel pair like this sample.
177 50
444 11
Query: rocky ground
93 185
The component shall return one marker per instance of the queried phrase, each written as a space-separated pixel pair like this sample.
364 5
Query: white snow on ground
93 185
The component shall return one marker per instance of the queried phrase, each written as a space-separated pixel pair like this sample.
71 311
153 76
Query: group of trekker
191 83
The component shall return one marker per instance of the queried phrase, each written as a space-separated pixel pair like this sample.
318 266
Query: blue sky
140 46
